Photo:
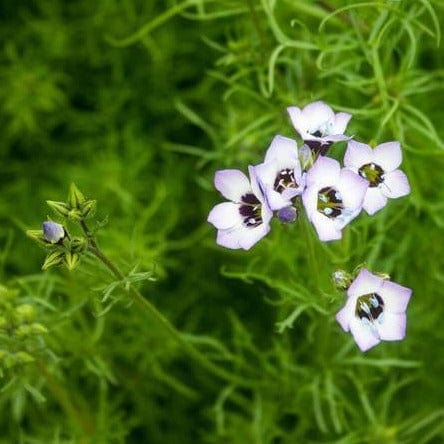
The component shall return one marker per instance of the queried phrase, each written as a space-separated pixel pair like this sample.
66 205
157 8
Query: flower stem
159 317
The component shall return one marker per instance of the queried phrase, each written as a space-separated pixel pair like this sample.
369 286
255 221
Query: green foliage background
139 103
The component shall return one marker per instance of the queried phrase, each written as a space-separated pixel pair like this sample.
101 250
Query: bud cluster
64 249
19 330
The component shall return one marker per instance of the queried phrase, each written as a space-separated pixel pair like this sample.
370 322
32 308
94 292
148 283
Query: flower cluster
374 310
290 178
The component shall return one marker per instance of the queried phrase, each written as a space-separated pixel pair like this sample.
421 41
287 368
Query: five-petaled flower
374 310
53 232
318 125
246 219
380 167
333 197
280 176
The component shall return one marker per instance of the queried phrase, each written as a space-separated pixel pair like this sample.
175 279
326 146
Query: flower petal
225 215
374 200
317 113
232 184
266 173
230 238
255 185
363 334
395 297
352 188
284 151
357 154
388 155
310 200
345 315
325 227
365 283
392 327
395 184
341 122
298 120
251 236
325 172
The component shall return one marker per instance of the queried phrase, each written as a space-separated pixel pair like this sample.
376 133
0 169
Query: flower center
285 179
373 173
250 210
370 307
330 202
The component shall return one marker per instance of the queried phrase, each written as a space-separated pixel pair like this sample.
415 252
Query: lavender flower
374 310
333 197
245 220
379 167
53 232
280 176
318 125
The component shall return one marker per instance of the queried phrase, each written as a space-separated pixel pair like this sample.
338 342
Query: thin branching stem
159 317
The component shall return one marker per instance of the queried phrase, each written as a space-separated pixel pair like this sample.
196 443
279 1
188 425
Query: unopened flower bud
53 232
288 214
341 279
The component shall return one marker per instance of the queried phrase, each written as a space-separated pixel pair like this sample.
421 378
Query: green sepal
74 214
78 244
88 207
75 197
60 208
37 235
71 260
53 259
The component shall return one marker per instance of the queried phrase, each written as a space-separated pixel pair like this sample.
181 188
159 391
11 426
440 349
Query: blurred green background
139 103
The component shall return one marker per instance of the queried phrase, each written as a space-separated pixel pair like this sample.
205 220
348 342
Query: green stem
159 317
65 402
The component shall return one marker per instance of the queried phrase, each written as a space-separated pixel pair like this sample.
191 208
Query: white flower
374 310
244 221
333 197
380 167
318 125
280 176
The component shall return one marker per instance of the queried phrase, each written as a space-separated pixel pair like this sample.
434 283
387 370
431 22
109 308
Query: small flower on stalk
374 310
245 220
53 232
319 126
333 197
280 176
380 167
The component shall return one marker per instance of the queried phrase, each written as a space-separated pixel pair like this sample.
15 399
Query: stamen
285 179
373 173
330 202
370 308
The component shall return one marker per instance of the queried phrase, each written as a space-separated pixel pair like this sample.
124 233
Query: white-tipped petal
325 227
363 334
392 327
395 184
225 215
325 172
251 236
365 283
357 155
395 297
374 200
388 155
232 184
230 238
283 151
298 120
341 122
352 188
